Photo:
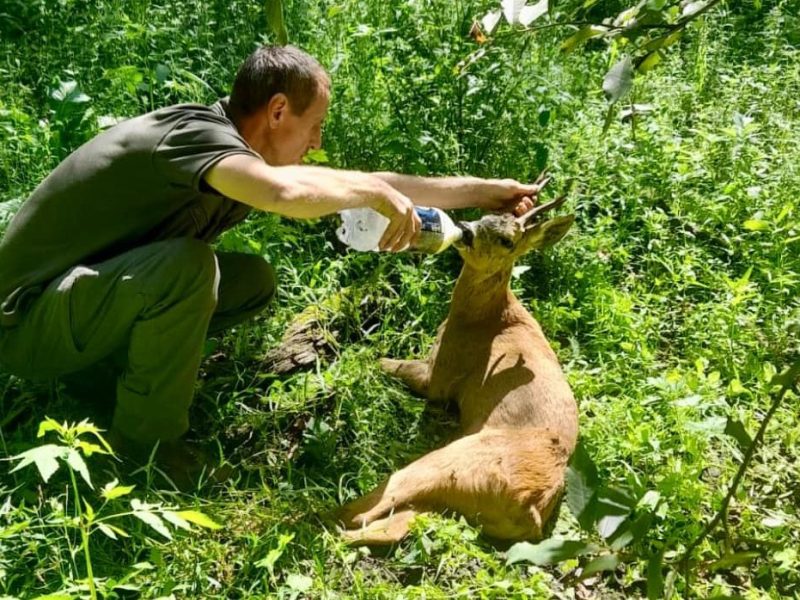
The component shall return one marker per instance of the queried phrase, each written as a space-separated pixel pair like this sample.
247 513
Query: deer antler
527 219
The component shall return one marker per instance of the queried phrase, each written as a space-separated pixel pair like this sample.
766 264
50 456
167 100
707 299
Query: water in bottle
362 229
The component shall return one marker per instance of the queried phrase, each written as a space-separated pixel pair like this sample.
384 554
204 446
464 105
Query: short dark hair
274 70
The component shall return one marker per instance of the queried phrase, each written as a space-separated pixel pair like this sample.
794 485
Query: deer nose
467 233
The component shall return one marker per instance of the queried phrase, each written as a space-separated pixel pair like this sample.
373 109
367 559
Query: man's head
279 101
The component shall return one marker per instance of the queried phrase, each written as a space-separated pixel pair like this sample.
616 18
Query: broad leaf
176 520
44 457
736 430
68 92
112 491
511 9
76 462
298 582
583 34
153 521
582 487
607 562
107 530
490 21
619 80
649 61
528 14
734 559
655 578
548 552
48 425
756 225
198 518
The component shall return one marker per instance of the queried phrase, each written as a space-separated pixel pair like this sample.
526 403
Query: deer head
494 242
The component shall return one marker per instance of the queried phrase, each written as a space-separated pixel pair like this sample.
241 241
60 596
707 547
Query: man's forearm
295 191
441 192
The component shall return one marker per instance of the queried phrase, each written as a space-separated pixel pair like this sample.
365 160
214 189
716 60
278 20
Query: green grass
671 303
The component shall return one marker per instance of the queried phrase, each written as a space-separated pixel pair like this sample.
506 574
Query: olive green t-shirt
139 182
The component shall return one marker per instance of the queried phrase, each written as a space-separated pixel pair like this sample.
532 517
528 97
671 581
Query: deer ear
548 233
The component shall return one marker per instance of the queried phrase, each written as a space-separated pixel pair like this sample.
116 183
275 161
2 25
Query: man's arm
464 192
305 192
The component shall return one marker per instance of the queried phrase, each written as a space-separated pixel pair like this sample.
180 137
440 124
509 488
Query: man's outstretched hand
509 195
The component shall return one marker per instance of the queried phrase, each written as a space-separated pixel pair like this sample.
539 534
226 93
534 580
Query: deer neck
479 296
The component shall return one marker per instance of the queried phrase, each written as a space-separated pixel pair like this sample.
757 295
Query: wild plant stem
84 536
787 380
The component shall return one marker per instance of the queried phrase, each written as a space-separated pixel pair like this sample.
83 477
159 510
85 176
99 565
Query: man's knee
191 257
188 267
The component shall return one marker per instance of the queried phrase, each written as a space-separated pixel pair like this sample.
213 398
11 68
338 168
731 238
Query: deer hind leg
509 481
382 532
414 373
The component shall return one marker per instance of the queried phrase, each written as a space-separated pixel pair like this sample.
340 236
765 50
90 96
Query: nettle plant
94 511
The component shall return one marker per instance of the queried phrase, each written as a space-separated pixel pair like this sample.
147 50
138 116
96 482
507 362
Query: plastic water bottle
363 228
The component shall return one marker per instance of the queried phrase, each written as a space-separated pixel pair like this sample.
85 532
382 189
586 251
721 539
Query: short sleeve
194 145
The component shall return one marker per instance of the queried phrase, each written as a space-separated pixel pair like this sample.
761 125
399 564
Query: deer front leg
414 373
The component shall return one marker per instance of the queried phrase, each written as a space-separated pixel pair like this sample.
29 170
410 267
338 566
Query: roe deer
519 421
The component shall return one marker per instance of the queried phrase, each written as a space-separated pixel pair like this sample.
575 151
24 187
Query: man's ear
277 107
548 233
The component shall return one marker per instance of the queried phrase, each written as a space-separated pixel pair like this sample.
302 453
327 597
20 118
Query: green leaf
153 521
76 462
89 514
198 518
583 34
655 578
275 554
276 22
529 13
107 530
548 552
582 484
649 61
69 92
619 80
112 491
12 530
88 448
44 457
607 562
737 431
490 21
299 583
734 560
756 225
49 425
176 520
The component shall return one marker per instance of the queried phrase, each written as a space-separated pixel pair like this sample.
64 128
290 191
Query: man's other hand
404 223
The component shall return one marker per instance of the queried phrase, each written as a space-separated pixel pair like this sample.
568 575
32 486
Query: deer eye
506 243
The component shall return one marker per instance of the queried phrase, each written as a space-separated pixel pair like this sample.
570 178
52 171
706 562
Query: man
111 256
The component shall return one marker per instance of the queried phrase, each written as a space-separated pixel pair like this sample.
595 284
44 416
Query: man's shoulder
214 113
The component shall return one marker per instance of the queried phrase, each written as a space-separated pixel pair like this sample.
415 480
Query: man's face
287 137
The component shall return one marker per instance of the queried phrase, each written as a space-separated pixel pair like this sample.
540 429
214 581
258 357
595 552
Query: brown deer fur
518 416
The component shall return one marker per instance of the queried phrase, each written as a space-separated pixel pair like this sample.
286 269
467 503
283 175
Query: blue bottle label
430 235
431 221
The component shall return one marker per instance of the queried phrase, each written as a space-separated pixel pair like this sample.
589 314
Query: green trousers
154 305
